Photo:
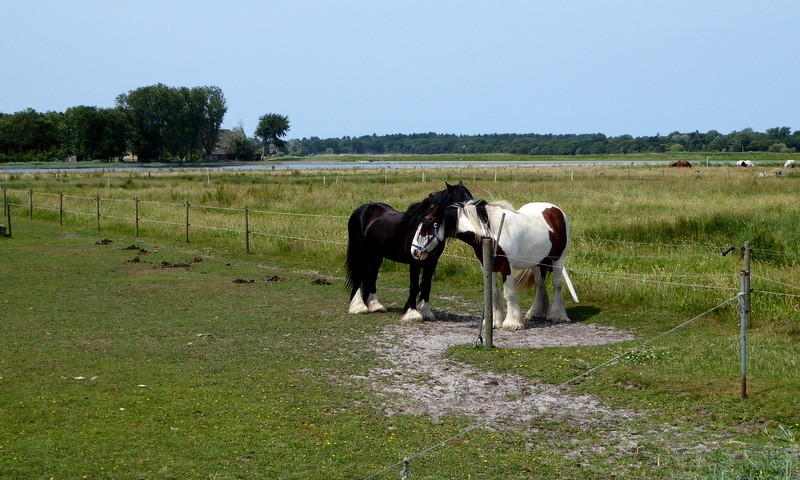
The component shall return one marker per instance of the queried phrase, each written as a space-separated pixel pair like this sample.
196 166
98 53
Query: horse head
438 224
429 219
428 236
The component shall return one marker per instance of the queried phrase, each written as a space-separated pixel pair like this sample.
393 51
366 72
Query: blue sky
465 67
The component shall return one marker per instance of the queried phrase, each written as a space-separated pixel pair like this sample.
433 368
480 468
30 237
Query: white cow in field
744 163
789 164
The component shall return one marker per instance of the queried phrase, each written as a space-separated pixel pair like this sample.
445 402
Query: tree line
778 140
156 122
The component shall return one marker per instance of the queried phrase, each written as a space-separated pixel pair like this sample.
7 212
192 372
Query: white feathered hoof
357 306
512 326
424 309
411 316
374 305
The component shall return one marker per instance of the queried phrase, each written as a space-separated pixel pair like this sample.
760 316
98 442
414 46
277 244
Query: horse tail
350 280
354 262
525 280
569 284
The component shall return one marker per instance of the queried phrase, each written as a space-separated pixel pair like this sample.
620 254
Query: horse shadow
582 313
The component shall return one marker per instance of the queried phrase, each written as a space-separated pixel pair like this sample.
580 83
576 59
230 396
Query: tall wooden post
61 208
488 314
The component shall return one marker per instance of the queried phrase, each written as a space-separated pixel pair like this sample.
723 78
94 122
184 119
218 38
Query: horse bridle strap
435 236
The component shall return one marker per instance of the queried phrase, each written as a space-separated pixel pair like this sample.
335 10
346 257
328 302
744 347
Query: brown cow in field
681 163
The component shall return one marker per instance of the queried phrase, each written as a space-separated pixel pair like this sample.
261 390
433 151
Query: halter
436 231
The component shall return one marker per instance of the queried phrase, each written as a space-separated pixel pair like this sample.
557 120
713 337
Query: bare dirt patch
416 378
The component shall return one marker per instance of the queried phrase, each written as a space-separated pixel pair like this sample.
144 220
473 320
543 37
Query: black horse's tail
353 266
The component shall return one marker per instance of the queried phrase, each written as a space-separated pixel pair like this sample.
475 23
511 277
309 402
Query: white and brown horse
533 241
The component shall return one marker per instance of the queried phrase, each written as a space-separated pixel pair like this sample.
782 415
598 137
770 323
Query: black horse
377 231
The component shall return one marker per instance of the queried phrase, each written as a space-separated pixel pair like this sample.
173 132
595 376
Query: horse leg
513 319
410 312
540 301
357 305
558 312
371 287
423 304
498 307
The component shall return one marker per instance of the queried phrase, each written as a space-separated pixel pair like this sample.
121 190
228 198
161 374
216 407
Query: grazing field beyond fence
242 362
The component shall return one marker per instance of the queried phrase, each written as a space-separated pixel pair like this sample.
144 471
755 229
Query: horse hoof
411 316
373 305
358 309
376 307
425 310
559 320
512 326
357 306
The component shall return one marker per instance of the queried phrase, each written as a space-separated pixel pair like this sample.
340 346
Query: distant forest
777 140
158 122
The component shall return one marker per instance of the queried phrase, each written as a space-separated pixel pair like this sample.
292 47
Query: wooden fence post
488 313
61 208
30 203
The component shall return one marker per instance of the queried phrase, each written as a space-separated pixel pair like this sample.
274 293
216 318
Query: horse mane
478 214
452 194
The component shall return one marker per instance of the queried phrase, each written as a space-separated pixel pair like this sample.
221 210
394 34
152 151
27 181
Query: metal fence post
97 210
246 230
744 310
8 219
61 208
136 215
30 203
187 221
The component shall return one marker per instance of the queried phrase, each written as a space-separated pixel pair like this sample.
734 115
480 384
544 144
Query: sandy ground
416 378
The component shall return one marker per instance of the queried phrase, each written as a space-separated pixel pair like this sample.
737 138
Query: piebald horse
377 231
533 241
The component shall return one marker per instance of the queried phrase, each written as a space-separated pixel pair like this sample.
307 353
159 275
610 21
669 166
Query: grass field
179 366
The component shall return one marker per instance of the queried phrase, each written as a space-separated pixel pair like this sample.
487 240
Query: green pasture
148 356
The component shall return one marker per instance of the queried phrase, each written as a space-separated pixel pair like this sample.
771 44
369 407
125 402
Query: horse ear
448 185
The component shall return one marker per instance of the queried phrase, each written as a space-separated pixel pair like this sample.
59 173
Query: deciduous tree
271 129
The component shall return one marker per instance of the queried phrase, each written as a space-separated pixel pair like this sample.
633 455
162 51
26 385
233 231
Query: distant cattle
789 164
744 163
681 163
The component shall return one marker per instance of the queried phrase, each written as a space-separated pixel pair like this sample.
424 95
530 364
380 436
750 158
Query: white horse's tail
525 281
569 285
